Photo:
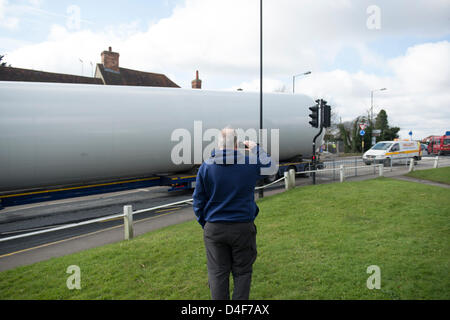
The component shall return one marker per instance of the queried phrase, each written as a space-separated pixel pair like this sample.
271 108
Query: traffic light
325 114
314 115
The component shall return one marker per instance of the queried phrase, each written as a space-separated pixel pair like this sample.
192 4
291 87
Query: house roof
125 77
18 74
129 77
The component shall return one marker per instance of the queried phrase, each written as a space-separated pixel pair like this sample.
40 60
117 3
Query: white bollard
436 162
286 180
292 177
411 165
289 179
381 169
341 173
128 222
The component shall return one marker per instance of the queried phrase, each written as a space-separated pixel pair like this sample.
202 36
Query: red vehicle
439 145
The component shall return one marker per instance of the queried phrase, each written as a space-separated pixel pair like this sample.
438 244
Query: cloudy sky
351 47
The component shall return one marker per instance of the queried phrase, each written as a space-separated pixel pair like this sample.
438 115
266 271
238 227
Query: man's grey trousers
230 247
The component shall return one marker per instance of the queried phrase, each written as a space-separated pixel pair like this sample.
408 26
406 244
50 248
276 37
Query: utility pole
371 102
261 191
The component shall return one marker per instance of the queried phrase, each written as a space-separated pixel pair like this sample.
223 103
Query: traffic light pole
314 158
325 122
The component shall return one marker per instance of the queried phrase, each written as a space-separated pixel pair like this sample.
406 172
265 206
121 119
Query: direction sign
362 132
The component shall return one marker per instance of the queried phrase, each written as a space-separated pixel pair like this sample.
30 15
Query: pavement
431 183
115 234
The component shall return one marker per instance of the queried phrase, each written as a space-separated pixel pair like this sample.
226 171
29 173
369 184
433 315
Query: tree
332 133
344 135
382 123
349 133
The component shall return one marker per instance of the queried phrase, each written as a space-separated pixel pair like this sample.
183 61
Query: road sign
410 133
362 126
362 132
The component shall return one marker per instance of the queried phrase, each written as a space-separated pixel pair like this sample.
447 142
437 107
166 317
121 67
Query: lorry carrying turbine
65 134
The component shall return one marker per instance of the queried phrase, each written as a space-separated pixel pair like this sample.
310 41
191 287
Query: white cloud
35 3
416 98
269 85
222 37
421 69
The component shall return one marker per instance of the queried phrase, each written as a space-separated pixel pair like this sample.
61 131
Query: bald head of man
228 139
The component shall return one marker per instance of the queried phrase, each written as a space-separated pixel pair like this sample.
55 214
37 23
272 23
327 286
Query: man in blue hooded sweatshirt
225 207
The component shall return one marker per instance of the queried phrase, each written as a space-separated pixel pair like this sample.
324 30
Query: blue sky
408 53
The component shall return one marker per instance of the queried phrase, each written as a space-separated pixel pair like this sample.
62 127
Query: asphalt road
28 218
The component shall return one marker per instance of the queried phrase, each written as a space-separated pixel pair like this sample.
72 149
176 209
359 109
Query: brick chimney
197 83
110 60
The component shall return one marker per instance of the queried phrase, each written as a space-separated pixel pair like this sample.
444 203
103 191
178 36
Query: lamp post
371 102
371 113
261 191
293 79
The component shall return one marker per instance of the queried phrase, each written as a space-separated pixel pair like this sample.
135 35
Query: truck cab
439 145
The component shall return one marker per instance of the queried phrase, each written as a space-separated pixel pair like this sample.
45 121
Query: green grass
438 175
314 242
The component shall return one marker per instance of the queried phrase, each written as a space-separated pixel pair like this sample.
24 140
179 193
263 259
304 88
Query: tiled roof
18 74
128 77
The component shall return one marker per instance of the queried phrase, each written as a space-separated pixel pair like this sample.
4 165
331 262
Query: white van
395 151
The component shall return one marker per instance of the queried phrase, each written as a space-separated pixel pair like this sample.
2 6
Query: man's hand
249 144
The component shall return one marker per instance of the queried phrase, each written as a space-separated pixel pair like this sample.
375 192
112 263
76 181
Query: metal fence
127 215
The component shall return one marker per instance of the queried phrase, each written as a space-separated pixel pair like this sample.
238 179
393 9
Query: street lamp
261 191
293 79
371 102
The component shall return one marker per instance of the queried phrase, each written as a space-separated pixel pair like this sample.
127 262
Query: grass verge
441 175
314 242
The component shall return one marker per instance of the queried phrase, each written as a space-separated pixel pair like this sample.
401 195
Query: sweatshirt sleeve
199 197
